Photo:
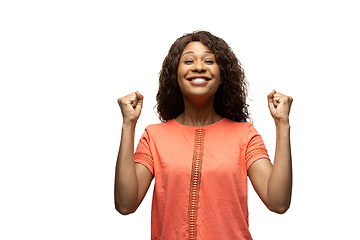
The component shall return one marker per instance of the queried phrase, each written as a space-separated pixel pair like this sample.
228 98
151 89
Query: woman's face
198 72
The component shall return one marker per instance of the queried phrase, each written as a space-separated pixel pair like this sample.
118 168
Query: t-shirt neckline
197 127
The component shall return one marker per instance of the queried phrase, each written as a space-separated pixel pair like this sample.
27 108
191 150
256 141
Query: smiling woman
203 151
229 99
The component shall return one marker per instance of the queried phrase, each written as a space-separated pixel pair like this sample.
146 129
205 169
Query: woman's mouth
198 80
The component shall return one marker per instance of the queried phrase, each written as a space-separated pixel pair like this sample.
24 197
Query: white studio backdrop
63 64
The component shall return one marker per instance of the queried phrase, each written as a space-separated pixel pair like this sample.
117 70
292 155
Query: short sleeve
255 148
143 152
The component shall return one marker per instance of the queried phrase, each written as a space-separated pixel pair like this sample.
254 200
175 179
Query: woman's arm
131 180
273 183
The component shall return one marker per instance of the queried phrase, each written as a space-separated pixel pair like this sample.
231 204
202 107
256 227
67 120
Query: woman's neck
199 113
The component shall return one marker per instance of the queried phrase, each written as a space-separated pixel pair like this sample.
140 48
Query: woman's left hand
279 106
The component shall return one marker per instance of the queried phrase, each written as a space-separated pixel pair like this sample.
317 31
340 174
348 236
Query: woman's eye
209 61
188 61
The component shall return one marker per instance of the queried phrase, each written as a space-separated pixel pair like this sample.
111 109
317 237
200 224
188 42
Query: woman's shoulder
238 128
232 123
155 127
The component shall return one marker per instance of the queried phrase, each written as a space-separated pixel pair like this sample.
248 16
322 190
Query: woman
204 149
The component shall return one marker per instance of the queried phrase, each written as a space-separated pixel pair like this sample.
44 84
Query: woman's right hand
130 106
132 180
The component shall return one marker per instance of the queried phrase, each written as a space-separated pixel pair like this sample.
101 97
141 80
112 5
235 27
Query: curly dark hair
230 97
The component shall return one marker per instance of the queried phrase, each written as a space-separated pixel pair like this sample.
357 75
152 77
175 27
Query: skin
273 183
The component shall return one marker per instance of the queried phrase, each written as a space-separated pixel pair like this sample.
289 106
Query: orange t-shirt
200 178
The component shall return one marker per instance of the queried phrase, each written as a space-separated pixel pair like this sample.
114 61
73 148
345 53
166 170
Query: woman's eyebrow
187 53
193 52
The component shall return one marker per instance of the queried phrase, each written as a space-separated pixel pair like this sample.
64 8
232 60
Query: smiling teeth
198 80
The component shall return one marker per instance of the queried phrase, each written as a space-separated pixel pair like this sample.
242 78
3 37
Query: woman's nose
199 66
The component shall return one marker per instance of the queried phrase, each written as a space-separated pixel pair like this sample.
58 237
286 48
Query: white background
63 64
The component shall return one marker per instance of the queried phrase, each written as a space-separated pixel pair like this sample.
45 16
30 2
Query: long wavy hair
230 97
